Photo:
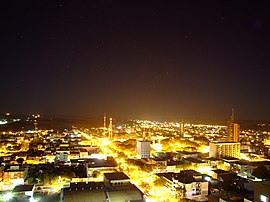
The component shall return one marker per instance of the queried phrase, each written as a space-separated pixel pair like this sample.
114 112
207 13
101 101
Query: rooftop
224 142
193 160
144 141
228 196
116 176
132 194
186 176
219 171
93 163
15 170
85 185
83 191
83 150
187 152
253 163
22 188
228 158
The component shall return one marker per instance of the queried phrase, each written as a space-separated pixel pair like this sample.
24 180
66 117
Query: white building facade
143 149
224 149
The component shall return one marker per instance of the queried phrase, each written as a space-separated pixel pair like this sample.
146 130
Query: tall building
233 129
182 129
224 149
110 129
143 149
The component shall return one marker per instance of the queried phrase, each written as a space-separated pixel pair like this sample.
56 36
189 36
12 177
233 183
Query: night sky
136 59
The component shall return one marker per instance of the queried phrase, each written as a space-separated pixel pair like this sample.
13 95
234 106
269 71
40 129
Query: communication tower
110 129
36 125
104 122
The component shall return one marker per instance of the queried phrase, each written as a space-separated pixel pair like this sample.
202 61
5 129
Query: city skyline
156 60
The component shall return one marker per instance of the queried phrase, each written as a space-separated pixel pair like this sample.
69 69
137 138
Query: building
186 184
101 166
116 187
179 155
262 191
23 192
35 160
74 154
119 188
266 142
83 191
143 149
114 180
246 168
50 158
226 196
83 153
14 176
216 174
224 149
195 162
96 167
62 155
233 132
160 165
232 129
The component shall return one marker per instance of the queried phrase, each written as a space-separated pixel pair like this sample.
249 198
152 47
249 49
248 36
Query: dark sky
136 59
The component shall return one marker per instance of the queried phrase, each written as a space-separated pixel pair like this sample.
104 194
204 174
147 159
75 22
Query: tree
30 180
39 178
20 161
97 174
159 182
145 185
260 172
1 159
181 193
49 178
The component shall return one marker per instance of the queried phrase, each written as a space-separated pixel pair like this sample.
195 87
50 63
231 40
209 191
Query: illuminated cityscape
135 101
135 160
